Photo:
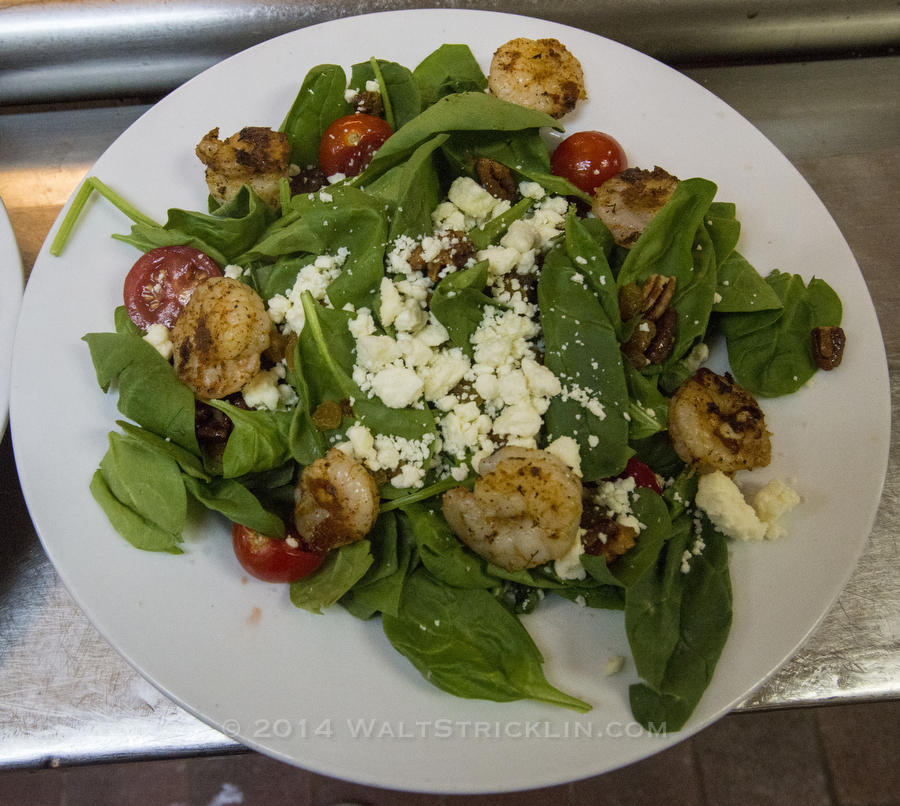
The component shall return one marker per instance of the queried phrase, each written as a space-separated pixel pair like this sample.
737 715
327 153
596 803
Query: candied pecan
664 339
496 178
657 293
828 346
369 103
631 300
603 536
635 348
456 253
308 180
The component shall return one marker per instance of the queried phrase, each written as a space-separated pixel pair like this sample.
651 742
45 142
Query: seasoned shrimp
336 501
714 424
255 156
219 336
525 509
538 73
627 202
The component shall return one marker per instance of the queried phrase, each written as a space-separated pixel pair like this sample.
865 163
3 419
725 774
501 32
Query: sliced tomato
272 559
161 282
588 159
643 476
348 144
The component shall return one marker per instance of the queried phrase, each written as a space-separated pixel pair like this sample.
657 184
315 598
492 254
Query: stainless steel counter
67 697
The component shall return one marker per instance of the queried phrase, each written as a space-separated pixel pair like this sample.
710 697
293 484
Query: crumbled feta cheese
158 336
772 502
532 190
613 665
569 565
723 502
398 387
261 391
471 198
233 272
568 450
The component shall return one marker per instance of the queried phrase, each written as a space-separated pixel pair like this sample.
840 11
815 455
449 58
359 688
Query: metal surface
52 50
67 697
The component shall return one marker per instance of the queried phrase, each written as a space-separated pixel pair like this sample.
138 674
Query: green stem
425 492
81 198
385 99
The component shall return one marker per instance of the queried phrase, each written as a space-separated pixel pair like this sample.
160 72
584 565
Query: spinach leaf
465 642
589 258
289 235
491 231
583 352
440 551
236 503
449 69
741 288
724 229
146 481
677 624
464 111
676 244
258 440
411 191
380 589
399 90
318 104
342 569
648 408
770 352
149 392
137 530
187 462
458 303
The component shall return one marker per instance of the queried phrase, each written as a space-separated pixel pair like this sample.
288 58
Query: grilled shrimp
538 73
714 424
255 156
525 509
336 501
627 202
219 337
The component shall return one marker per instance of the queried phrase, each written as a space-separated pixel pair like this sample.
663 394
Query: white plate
11 284
328 692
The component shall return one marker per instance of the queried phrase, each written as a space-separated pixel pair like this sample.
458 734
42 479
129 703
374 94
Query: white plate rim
12 285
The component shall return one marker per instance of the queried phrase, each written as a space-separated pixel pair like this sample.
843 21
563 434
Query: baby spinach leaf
770 352
458 303
599 597
258 440
149 392
723 227
235 502
647 406
411 191
318 104
465 642
589 258
145 480
342 569
583 352
137 530
440 550
149 236
399 90
677 625
307 443
742 289
449 69
124 325
464 111
491 231
190 464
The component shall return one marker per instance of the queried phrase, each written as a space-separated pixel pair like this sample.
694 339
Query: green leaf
449 69
465 642
138 531
318 104
149 392
458 303
741 288
258 440
399 90
236 503
677 625
342 569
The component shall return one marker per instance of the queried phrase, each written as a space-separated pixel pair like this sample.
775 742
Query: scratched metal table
65 695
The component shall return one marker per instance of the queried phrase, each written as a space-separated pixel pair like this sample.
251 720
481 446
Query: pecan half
496 178
602 535
828 346
664 339
456 253
657 294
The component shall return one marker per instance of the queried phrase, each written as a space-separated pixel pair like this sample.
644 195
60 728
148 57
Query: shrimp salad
435 371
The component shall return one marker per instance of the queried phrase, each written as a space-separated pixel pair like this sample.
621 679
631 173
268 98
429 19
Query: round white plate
11 285
327 692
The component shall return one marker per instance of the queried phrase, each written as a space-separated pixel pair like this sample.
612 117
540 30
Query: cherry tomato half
643 476
588 159
271 559
348 144
161 282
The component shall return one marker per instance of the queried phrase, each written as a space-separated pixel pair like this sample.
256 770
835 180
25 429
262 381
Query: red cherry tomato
271 559
161 282
348 144
588 159
643 476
